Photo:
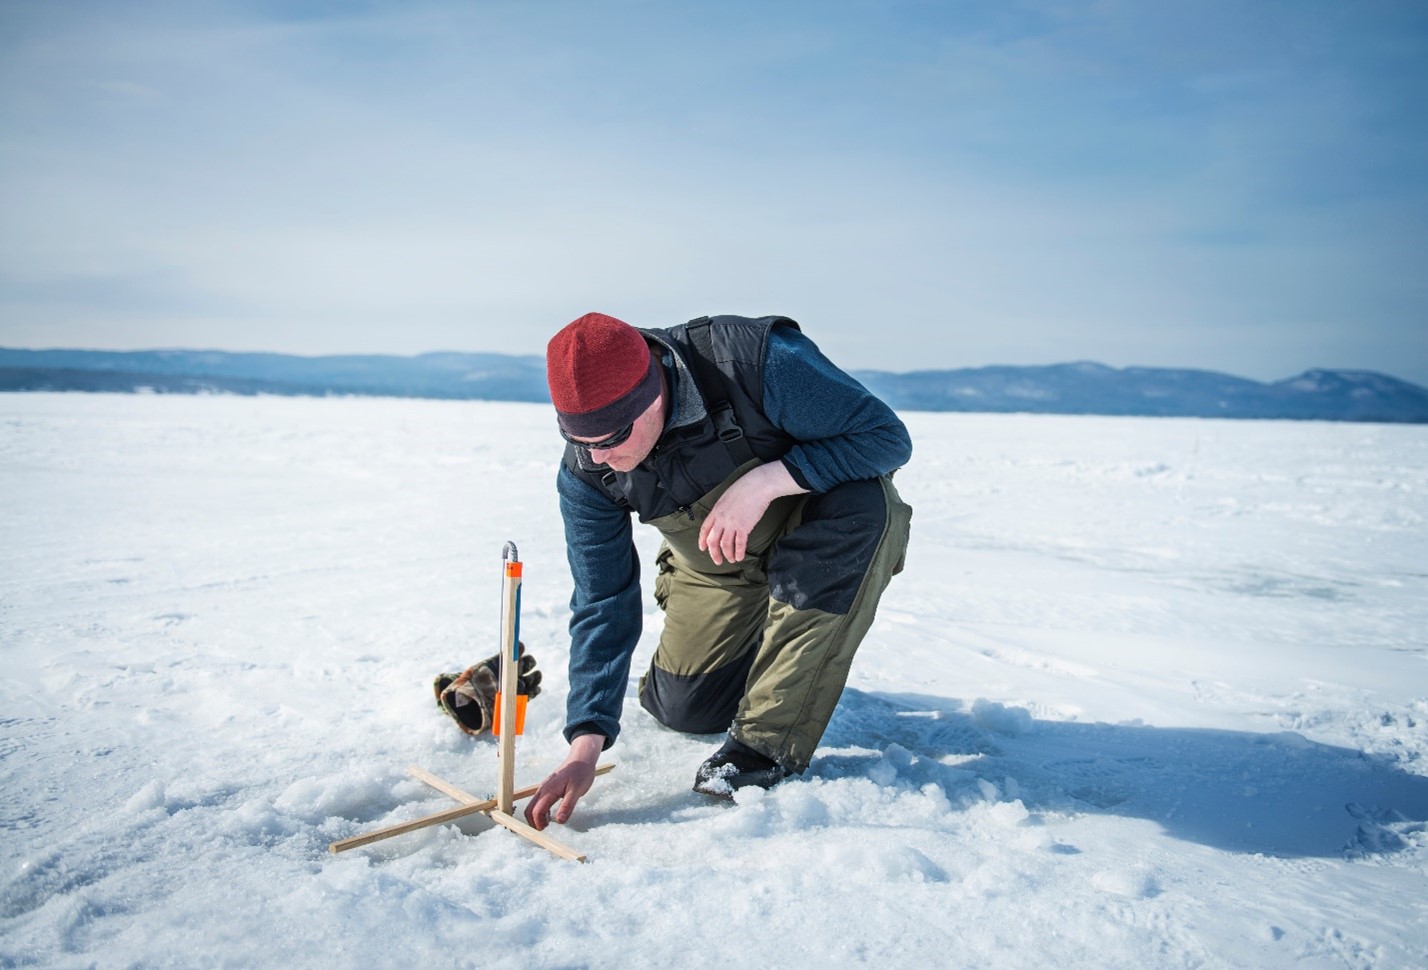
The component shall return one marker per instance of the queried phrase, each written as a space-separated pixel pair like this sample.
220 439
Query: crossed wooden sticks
498 809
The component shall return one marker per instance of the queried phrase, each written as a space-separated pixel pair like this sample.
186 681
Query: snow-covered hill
1151 693
1079 388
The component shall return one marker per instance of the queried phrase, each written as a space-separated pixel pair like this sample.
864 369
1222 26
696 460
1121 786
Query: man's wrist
587 747
776 481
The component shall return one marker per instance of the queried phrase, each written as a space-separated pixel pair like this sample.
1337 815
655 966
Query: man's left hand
725 532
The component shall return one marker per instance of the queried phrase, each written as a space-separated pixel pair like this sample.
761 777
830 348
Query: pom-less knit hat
601 374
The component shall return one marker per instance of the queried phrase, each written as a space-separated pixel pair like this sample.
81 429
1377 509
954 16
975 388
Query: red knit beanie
601 374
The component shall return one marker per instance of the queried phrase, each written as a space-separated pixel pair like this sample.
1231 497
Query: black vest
714 367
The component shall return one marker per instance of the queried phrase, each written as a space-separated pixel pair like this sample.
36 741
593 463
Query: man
768 472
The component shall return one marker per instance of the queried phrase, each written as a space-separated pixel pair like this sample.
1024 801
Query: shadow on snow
1276 794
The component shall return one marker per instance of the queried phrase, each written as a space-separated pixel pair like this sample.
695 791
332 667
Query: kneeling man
767 470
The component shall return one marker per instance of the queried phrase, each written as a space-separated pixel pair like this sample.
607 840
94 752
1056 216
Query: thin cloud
1017 183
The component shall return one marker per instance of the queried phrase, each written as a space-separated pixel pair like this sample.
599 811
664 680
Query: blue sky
1237 186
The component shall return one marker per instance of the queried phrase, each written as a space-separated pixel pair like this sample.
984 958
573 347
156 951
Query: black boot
736 766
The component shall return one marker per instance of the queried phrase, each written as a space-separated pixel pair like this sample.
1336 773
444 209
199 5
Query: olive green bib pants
763 647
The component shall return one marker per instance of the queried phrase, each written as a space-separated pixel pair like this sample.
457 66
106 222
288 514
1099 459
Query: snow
1151 693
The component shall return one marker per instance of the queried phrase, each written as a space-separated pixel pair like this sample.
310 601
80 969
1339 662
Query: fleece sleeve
844 433
605 617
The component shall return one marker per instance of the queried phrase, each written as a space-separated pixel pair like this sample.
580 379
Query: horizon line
864 370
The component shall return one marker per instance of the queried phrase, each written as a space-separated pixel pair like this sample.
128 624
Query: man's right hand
567 783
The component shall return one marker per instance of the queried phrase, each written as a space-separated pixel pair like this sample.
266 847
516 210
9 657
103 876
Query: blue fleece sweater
844 434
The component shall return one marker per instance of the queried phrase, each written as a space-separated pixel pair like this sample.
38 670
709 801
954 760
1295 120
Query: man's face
633 450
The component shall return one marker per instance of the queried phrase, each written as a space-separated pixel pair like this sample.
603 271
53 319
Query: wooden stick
442 785
539 838
510 657
438 818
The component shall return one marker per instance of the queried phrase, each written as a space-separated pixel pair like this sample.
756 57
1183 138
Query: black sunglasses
612 441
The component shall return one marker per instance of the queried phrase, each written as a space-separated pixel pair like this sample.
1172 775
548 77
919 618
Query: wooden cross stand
508 724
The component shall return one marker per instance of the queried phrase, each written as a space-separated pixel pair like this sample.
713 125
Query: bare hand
725 532
567 783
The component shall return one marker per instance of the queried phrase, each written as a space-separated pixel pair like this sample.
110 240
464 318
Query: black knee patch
820 565
697 703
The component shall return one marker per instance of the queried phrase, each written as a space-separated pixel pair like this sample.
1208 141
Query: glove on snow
470 696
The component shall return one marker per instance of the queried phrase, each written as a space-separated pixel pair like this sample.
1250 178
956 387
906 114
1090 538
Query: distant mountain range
1087 388
1082 388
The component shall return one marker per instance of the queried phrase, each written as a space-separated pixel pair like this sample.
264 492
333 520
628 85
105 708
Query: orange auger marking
521 700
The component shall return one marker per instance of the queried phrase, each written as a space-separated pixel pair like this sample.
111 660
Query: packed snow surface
1150 693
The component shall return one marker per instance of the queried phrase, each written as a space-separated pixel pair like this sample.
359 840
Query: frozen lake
1151 692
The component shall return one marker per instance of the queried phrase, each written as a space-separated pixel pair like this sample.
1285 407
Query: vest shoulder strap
714 384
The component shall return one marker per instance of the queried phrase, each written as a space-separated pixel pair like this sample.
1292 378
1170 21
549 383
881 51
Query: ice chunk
997 717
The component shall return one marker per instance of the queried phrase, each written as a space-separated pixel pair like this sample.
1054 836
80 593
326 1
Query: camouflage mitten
470 696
